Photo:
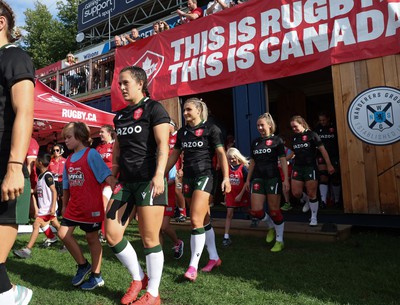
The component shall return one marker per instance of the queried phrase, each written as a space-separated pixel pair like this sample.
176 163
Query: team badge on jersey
137 113
268 142
199 132
331 130
304 138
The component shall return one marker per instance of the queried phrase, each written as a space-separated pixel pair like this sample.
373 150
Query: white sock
279 231
336 192
129 259
210 243
323 189
314 209
267 219
226 236
154 263
304 197
7 297
196 247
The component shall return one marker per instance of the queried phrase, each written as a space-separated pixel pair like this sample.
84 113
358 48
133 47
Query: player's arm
172 159
249 175
22 103
161 135
325 155
115 159
223 161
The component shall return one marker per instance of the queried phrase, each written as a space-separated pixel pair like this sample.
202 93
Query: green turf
362 270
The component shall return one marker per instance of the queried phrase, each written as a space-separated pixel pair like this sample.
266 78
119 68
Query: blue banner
93 12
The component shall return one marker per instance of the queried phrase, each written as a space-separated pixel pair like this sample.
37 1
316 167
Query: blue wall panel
248 104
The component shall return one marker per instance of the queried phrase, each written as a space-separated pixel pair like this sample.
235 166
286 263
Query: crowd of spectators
75 81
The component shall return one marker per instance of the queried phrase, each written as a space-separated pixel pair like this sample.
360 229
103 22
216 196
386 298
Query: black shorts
87 227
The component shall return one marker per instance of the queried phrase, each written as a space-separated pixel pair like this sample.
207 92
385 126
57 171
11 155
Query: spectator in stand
216 6
118 42
56 167
134 36
16 120
193 13
156 28
71 76
163 26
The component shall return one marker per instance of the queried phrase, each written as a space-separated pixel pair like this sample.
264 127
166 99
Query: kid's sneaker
226 242
178 249
93 282
81 274
23 253
49 241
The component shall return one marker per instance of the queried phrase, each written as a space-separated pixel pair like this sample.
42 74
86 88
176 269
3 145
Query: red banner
261 40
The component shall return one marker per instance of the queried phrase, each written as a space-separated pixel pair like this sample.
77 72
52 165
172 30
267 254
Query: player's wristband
16 162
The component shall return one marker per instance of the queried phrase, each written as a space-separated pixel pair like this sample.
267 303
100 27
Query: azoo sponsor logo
192 144
262 151
296 146
128 130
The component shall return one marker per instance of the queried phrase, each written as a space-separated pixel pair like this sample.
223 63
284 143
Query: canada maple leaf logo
151 63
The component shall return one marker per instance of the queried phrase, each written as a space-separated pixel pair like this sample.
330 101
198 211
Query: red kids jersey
86 201
56 167
236 179
105 150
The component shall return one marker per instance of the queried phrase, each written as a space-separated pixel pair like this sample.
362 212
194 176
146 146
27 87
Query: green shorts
272 186
305 173
204 183
17 211
139 194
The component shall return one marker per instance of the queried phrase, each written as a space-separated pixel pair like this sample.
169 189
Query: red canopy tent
53 110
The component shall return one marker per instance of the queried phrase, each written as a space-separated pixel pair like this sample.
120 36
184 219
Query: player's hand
331 169
13 183
157 185
226 186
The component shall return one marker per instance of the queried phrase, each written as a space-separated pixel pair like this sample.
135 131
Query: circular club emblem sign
374 116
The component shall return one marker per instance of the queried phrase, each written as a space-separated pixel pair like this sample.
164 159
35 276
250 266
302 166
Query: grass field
363 270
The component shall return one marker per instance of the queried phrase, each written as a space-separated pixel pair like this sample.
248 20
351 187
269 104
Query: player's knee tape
257 214
276 216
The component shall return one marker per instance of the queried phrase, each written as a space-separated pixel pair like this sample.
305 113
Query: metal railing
83 78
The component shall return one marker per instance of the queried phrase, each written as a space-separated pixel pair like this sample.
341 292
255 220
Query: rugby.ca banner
261 40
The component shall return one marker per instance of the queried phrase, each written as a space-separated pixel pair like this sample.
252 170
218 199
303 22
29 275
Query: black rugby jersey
305 147
137 146
15 66
198 145
328 136
265 151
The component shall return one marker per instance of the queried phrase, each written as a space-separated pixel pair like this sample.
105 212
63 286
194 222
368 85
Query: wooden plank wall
370 174
173 107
